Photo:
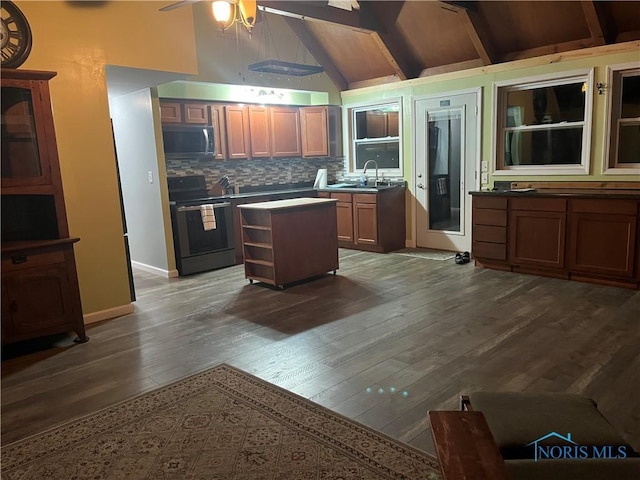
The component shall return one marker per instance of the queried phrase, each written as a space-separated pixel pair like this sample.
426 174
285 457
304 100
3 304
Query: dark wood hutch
40 294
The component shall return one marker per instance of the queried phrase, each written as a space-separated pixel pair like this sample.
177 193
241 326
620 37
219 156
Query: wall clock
15 35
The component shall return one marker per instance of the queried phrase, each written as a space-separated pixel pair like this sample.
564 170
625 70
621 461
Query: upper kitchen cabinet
219 131
321 131
260 136
185 112
285 131
196 114
170 112
237 123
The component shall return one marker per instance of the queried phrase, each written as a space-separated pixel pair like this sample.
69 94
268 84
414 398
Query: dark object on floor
462 258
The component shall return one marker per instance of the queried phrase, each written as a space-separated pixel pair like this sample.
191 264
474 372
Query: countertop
289 203
565 192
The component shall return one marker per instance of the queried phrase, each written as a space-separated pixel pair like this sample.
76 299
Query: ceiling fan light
248 11
222 13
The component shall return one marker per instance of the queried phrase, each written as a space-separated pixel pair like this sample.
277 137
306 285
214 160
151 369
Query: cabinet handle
16 259
13 306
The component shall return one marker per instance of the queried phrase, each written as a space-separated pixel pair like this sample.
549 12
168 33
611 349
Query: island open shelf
285 241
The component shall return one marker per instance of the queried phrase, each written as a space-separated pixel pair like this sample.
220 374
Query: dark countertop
565 192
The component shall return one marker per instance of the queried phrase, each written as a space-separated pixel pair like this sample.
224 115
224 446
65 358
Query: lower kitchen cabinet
40 293
602 237
537 232
370 221
577 235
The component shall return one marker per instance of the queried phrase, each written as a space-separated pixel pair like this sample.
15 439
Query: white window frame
611 131
349 115
499 116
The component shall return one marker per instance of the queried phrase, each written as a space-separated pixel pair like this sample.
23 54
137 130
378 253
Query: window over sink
374 134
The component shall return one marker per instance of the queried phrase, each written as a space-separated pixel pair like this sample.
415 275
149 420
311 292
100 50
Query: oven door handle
193 209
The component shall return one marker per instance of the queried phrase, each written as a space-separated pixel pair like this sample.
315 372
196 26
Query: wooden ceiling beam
390 43
317 51
353 19
476 29
593 22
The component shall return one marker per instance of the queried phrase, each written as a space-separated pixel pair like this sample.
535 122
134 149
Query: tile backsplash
258 172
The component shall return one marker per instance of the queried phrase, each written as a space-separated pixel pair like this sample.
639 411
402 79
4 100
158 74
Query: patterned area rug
219 424
425 253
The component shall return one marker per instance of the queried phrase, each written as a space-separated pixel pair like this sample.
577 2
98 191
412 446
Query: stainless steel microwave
184 141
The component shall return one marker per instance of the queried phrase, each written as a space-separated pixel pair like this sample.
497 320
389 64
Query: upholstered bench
554 435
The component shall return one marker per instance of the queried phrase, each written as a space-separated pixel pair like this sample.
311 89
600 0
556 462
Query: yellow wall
77 40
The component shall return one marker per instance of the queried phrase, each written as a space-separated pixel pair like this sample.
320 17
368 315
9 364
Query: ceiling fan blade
179 4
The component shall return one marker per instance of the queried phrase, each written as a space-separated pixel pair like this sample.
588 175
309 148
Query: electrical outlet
150 176
484 178
485 166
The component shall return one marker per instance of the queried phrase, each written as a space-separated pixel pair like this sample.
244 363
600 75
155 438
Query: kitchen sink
368 186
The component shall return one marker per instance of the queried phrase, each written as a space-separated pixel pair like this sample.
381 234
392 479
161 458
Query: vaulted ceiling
385 41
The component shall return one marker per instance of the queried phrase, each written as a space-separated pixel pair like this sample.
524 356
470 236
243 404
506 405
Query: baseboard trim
108 314
410 243
155 270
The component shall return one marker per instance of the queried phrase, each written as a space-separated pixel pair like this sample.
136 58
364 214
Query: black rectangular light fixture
285 68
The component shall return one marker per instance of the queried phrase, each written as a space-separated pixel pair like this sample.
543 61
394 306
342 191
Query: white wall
135 137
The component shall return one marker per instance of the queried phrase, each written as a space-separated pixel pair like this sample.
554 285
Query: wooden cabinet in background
170 112
370 221
574 235
196 113
260 131
602 237
285 131
219 131
237 122
537 232
365 218
321 131
40 294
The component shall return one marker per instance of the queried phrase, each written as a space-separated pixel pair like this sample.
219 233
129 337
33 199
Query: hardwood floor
385 340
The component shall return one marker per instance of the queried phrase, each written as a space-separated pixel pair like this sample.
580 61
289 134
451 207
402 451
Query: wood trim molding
550 49
108 314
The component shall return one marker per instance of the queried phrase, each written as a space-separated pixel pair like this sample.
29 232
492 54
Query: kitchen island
285 241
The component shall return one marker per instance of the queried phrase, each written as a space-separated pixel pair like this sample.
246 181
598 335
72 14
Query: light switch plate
484 166
484 178
150 176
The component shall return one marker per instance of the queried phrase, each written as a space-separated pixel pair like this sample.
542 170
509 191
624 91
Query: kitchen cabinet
237 123
196 113
489 227
587 235
170 112
321 131
602 237
260 131
40 294
219 131
370 221
365 219
537 230
285 131
286 241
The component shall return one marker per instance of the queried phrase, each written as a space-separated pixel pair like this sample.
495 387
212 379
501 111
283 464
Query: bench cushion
568 469
518 418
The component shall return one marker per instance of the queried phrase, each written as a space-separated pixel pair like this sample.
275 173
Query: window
544 125
374 134
623 129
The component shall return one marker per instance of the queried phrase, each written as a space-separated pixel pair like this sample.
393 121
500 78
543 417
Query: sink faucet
364 171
